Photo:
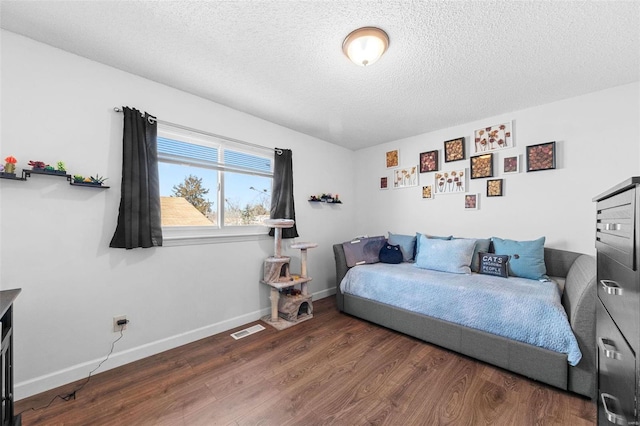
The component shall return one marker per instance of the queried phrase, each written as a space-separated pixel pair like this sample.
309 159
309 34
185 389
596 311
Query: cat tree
289 306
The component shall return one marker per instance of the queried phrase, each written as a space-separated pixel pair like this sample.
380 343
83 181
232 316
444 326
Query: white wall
58 106
597 139
54 238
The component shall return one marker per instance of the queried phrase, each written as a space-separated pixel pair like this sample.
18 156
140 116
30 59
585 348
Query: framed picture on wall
541 157
511 164
392 158
494 188
471 201
429 161
427 192
482 166
492 138
454 150
450 182
384 182
405 177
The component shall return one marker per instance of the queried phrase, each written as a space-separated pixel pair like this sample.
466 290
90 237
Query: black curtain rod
190 129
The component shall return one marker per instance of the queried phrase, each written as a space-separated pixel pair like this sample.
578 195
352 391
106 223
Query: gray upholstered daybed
531 361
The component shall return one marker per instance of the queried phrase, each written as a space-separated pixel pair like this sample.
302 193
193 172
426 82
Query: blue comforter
520 309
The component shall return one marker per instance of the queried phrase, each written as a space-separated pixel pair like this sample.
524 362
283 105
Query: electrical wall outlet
116 327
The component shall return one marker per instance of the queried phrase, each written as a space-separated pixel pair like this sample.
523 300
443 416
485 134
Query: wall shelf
11 176
93 185
326 202
325 198
26 173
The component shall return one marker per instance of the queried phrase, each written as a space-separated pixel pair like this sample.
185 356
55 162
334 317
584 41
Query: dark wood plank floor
334 369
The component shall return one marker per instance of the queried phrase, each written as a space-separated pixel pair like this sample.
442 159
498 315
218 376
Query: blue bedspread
521 309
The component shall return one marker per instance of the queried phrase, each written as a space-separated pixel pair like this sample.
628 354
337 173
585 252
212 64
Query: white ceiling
449 62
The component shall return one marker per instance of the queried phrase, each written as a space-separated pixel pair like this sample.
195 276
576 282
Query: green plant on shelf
61 166
78 178
98 180
49 168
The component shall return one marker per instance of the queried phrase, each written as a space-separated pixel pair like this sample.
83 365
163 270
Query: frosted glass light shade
365 46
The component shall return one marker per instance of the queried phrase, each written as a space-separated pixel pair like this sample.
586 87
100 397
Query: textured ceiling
449 62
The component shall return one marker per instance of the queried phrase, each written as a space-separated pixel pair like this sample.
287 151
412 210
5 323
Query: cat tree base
291 310
288 310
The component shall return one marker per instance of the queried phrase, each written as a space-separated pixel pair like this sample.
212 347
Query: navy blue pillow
390 253
493 264
407 245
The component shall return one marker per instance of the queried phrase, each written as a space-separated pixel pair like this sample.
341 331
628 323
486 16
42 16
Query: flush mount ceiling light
366 45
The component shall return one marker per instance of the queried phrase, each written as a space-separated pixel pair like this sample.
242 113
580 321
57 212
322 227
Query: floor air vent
247 331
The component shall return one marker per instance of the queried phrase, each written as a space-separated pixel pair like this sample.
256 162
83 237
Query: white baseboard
58 378
324 293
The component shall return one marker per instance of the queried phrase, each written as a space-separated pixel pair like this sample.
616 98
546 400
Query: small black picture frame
454 150
495 188
541 157
429 161
481 166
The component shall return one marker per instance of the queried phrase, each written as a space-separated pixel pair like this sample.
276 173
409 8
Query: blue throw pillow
407 245
445 255
482 245
526 257
435 237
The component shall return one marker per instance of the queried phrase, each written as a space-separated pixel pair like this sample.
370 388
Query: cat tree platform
287 309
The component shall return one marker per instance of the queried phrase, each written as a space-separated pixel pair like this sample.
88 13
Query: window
211 187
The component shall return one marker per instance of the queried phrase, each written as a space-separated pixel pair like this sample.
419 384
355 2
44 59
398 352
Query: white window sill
186 236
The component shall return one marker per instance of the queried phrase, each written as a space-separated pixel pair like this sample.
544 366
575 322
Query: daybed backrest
558 262
579 300
580 290
341 271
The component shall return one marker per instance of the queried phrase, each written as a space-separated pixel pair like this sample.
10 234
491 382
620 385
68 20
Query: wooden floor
333 369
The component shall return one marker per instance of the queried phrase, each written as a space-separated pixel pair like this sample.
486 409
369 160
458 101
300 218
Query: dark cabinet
618 304
8 417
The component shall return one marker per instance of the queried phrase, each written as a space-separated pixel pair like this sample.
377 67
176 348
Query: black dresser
618 303
8 417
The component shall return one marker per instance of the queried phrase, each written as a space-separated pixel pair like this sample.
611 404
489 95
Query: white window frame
192 235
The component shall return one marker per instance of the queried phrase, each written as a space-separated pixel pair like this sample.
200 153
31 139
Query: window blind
180 152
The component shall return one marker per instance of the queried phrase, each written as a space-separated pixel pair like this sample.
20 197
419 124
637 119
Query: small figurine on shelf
10 165
37 165
327 198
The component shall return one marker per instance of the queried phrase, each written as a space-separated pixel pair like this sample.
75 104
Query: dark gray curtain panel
139 214
282 205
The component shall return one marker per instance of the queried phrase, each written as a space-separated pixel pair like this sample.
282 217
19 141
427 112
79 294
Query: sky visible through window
238 186
242 191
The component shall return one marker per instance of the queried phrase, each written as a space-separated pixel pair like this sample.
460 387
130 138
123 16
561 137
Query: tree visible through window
209 182
192 190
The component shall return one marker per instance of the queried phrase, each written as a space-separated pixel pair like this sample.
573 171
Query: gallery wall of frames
446 171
